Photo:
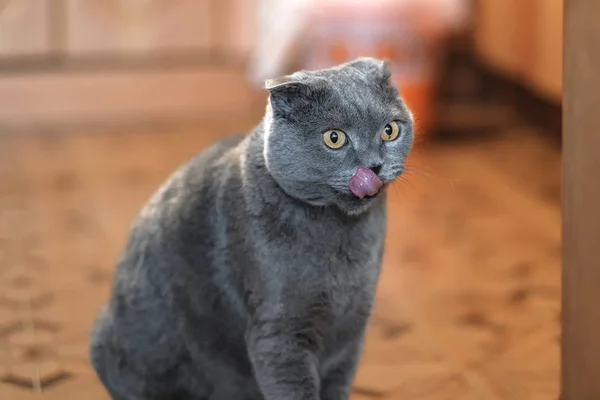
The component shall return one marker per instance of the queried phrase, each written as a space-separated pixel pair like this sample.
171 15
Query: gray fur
251 273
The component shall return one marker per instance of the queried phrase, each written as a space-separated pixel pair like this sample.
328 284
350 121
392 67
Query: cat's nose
376 169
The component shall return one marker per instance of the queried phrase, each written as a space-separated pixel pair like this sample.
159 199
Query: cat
251 273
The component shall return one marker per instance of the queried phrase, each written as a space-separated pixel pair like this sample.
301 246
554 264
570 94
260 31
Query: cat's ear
281 82
287 92
379 69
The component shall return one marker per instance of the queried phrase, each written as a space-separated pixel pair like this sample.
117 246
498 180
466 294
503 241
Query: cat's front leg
340 370
283 354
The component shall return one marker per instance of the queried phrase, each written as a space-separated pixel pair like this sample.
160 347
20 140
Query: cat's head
321 127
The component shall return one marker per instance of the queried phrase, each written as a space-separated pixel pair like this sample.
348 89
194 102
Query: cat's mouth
380 192
365 183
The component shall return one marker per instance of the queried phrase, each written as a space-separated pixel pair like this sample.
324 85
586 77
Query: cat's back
194 186
184 209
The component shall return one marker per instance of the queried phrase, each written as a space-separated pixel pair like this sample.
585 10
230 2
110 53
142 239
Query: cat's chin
354 206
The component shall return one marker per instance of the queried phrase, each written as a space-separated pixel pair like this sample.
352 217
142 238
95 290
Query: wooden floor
468 305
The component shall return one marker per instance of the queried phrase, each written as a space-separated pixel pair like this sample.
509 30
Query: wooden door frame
581 202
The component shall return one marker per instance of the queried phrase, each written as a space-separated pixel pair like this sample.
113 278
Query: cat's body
232 286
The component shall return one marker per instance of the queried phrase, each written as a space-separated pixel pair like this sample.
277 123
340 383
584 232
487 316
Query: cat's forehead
364 94
354 92
343 77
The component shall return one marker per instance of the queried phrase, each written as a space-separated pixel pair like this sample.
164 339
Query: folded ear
289 92
282 81
379 69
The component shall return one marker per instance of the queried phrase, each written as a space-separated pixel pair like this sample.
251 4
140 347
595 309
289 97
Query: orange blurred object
420 99
339 53
341 30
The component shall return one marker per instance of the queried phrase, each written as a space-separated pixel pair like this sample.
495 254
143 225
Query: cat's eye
334 139
390 132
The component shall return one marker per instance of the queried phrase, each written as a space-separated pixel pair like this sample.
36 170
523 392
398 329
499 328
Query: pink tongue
365 183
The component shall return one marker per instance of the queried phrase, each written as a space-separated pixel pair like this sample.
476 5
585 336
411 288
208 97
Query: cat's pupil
333 137
388 130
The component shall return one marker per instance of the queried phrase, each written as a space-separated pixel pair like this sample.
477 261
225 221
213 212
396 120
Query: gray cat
251 273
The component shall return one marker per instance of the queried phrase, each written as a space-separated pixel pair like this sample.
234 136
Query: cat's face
321 127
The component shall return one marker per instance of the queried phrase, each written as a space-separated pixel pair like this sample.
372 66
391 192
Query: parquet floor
468 304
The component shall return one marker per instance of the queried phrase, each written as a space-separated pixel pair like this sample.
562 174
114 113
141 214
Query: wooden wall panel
498 34
184 94
137 26
245 28
547 70
523 40
107 29
23 28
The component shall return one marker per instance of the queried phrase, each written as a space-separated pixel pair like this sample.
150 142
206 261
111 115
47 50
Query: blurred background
100 100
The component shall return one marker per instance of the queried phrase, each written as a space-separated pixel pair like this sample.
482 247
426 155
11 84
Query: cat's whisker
398 193
411 164
416 172
399 184
403 190
418 169
406 183
409 169
403 183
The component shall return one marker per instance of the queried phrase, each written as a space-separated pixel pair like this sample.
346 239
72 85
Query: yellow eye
390 132
334 139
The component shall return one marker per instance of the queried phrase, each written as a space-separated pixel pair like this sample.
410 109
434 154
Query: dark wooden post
581 206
